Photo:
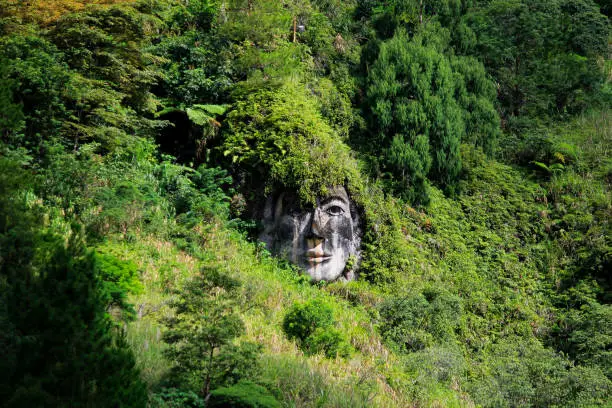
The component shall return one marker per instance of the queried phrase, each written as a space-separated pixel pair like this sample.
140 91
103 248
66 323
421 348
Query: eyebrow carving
327 200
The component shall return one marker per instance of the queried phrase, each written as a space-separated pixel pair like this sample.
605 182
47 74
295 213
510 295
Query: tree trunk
421 12
206 386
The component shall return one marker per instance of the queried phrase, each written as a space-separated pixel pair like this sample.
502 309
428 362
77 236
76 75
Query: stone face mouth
317 255
318 258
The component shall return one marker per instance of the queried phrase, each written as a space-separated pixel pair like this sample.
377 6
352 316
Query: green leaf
213 109
199 117
541 166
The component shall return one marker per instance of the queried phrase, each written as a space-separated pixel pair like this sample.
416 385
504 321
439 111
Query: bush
329 341
175 398
245 394
523 373
311 324
303 319
421 320
119 277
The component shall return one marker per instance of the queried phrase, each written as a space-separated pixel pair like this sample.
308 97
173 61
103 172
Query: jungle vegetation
138 138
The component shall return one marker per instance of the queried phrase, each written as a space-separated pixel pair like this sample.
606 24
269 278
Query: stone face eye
335 210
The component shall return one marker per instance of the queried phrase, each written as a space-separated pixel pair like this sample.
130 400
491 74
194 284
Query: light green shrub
245 394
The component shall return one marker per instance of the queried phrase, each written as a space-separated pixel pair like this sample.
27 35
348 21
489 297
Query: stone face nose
316 226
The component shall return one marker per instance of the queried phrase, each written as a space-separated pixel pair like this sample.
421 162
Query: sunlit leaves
281 134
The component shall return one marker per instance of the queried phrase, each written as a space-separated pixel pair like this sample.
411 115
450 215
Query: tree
39 76
201 332
410 15
108 94
87 79
542 54
415 116
46 12
423 103
475 94
11 114
59 346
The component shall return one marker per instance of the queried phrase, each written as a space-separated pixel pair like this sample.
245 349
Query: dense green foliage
139 139
418 321
413 94
312 325
243 395
543 54
280 134
59 346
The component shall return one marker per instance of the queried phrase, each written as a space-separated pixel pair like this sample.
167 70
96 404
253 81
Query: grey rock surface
320 239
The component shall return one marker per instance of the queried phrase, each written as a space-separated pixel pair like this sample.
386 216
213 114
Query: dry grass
47 11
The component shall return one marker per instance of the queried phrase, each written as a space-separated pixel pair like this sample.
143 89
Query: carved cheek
286 228
342 227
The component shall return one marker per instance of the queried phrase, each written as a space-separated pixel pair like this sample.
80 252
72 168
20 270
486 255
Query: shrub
303 319
245 394
119 277
122 208
329 341
421 320
311 324
523 373
175 398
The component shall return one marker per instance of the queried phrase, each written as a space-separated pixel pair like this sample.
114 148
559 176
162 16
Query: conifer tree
415 116
201 332
59 346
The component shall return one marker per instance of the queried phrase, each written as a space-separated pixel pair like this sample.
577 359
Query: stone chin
320 239
324 266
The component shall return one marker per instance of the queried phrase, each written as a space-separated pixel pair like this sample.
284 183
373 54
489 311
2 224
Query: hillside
141 144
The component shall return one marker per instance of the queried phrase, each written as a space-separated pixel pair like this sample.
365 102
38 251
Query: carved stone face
319 239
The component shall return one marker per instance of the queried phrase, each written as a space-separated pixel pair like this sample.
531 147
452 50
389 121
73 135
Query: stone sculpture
320 239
